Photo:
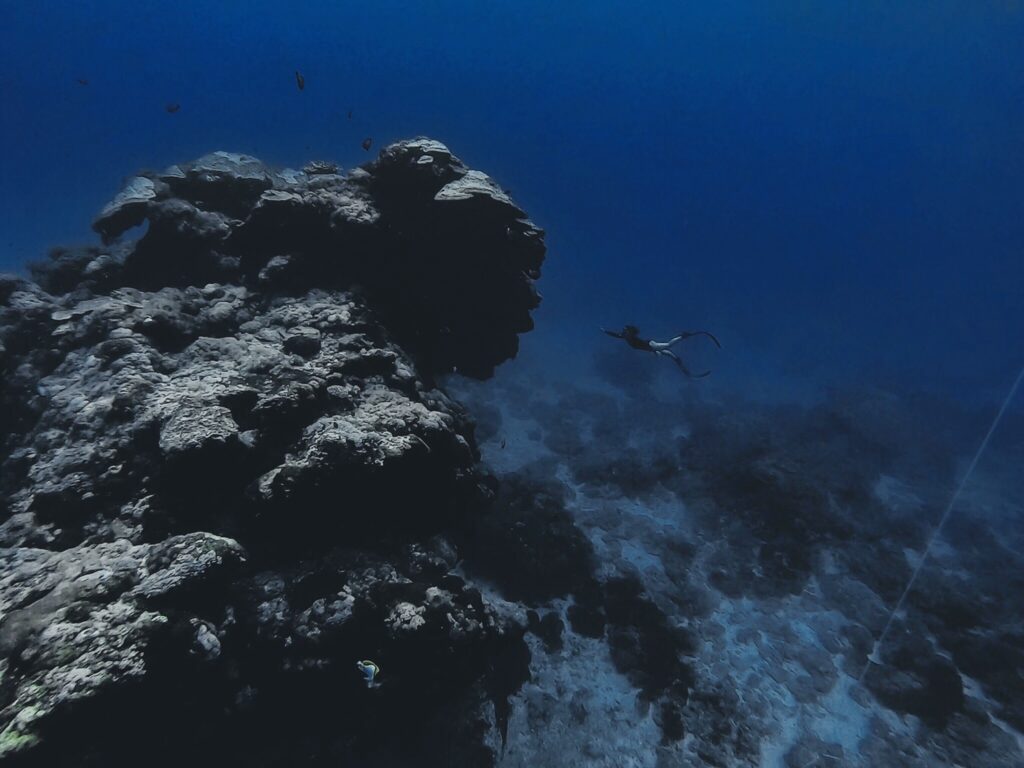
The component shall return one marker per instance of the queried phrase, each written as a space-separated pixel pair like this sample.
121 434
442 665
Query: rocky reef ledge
228 473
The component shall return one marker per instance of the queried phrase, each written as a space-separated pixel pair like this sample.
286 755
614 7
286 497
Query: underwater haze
295 461
834 187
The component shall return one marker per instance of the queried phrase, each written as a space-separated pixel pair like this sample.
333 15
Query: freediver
631 335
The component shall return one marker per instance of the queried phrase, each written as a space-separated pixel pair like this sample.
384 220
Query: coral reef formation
229 474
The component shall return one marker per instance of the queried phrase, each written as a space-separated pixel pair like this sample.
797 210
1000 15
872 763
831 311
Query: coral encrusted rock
229 473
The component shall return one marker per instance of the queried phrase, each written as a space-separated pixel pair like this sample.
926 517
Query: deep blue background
836 188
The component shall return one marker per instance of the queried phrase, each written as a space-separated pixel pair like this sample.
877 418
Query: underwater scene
465 384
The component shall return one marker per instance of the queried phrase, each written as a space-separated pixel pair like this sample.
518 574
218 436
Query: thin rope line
942 522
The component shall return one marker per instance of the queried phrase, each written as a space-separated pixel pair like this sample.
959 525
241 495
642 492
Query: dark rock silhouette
528 545
228 473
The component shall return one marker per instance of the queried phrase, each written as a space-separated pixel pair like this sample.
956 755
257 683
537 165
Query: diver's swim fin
688 334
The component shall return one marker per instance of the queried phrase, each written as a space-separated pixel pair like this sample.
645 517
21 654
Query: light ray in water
874 656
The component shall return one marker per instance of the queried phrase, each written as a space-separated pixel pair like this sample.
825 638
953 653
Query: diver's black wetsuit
631 335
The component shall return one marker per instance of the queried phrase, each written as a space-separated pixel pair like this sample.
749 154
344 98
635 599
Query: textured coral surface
229 474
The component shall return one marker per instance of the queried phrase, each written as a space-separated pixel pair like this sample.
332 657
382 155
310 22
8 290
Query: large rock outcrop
228 473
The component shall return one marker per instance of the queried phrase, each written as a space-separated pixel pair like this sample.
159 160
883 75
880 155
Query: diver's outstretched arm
613 334
688 334
682 366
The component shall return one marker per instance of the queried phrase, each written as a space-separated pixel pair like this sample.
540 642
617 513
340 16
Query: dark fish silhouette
81 81
367 143
350 114
503 443
300 80
172 108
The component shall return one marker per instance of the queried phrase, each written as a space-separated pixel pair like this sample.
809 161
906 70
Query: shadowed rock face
228 475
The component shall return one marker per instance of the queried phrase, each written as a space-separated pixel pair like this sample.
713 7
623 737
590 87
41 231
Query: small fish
81 81
300 80
173 107
350 114
503 444
367 143
370 671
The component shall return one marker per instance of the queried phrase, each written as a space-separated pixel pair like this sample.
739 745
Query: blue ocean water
834 188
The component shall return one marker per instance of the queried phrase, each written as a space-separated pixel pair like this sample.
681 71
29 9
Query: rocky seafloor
254 438
745 557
